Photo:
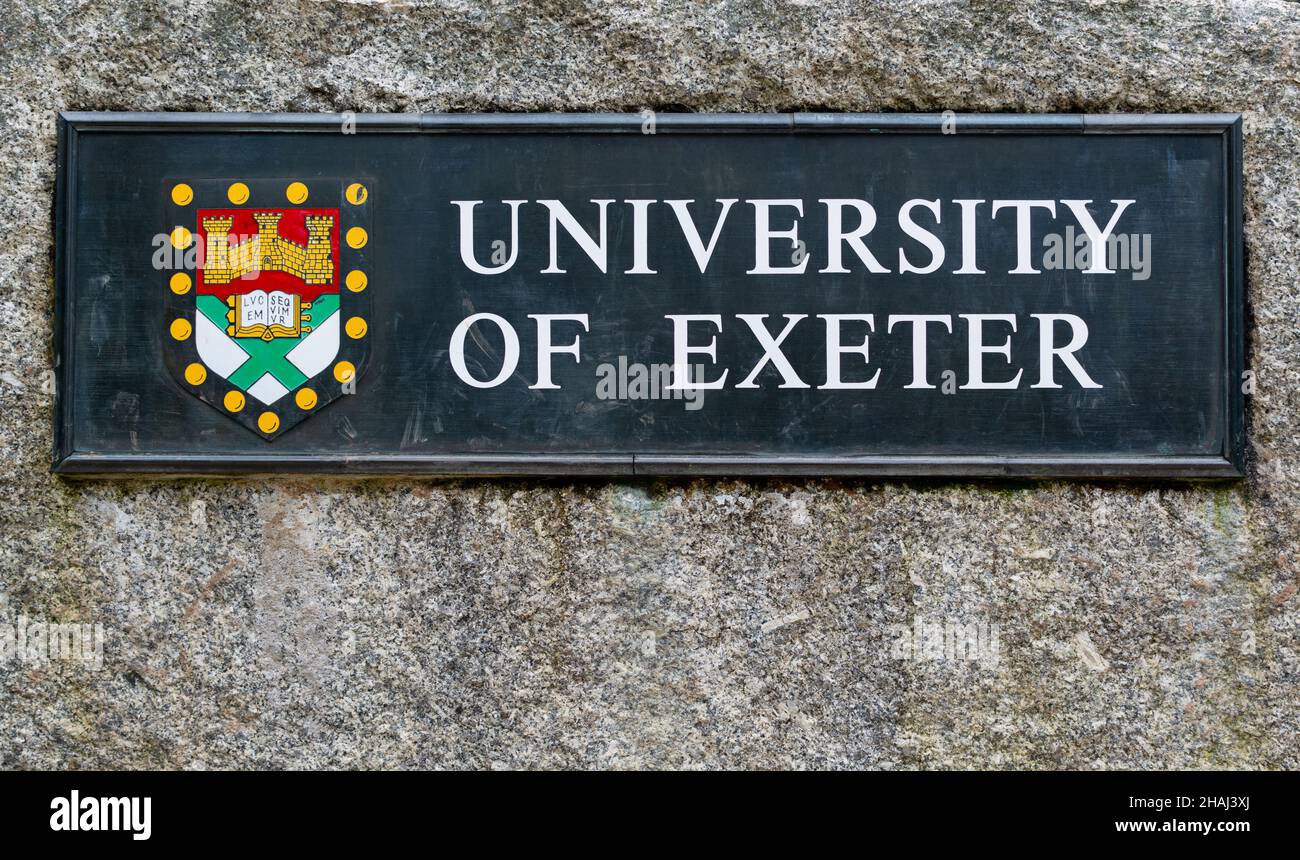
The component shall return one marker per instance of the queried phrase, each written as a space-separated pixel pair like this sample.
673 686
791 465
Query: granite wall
735 624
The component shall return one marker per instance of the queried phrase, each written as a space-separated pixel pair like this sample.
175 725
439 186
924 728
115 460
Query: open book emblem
267 314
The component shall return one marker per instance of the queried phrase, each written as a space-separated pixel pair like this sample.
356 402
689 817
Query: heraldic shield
268 304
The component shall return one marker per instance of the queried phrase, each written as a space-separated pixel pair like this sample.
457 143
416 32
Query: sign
597 294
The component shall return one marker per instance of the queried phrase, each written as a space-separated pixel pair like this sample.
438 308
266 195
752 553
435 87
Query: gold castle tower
268 251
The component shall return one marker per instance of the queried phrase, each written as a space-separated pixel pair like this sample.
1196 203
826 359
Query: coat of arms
267 315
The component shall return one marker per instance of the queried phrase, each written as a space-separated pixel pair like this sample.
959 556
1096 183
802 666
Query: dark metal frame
1230 464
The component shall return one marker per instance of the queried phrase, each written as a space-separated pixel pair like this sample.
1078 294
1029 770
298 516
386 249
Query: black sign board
671 294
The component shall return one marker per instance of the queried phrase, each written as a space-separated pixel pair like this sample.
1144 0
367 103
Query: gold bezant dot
305 398
180 283
237 193
234 401
356 194
195 373
344 371
356 280
182 194
357 238
296 192
181 329
356 328
181 238
268 422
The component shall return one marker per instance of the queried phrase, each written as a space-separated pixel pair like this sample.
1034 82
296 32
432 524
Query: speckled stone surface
261 624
